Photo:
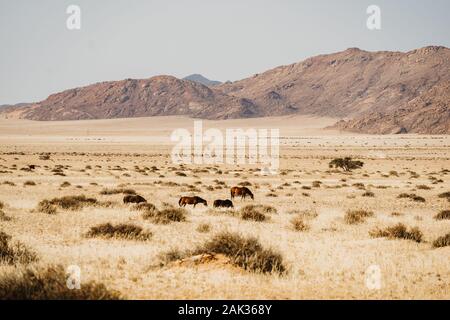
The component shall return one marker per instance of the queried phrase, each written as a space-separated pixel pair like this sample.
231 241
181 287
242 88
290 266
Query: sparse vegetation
399 231
443 215
357 216
411 196
299 224
166 215
49 284
107 191
246 253
204 228
256 212
119 231
15 253
347 164
441 242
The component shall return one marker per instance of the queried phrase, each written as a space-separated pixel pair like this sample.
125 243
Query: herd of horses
243 192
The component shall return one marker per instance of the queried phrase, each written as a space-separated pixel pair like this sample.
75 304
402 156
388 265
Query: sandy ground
329 260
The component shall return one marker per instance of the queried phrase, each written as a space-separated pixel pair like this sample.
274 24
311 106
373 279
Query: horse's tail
179 202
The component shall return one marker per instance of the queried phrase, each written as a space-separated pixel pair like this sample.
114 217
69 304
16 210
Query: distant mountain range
373 92
201 79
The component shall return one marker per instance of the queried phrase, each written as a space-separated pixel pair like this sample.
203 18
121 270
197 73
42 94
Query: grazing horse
241 191
133 198
191 200
223 204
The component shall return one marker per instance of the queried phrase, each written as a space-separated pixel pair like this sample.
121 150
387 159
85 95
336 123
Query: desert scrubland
314 231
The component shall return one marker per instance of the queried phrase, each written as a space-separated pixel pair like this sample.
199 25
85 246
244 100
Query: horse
133 198
223 204
241 191
191 200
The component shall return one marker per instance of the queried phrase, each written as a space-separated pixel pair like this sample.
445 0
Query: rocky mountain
201 79
374 92
429 113
156 96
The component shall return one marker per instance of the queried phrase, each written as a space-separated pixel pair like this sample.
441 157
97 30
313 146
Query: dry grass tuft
441 242
29 183
49 284
246 253
166 215
204 228
119 231
16 253
299 224
411 196
254 212
398 231
357 216
443 215
107 191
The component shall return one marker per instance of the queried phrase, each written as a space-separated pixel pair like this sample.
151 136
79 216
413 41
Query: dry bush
29 183
441 242
166 215
316 184
443 215
144 206
107 191
119 231
246 253
204 228
2 205
299 224
16 253
357 216
368 194
4 216
253 212
9 183
423 187
445 195
170 256
46 207
73 202
398 231
49 284
65 184
411 196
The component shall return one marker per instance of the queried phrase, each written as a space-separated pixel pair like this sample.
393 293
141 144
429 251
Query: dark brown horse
133 198
241 191
223 204
191 200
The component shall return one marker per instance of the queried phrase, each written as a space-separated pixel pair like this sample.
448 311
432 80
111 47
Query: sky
222 40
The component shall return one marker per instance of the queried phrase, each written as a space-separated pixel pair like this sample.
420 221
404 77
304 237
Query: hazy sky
223 40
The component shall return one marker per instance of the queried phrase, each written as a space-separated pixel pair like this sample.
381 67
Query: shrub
166 215
16 253
398 231
4 217
29 183
357 216
49 284
299 224
120 231
255 212
445 195
2 205
107 191
423 187
246 253
443 215
204 228
346 163
70 202
144 206
443 241
46 207
411 196
65 184
368 194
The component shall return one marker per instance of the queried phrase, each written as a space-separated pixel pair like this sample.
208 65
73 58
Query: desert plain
325 256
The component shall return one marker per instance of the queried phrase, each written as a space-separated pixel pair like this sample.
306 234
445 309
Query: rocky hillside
429 113
376 92
157 96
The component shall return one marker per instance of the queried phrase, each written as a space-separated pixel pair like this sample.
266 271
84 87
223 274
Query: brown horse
241 191
191 200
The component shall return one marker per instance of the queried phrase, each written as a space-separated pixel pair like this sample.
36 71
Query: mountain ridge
373 92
